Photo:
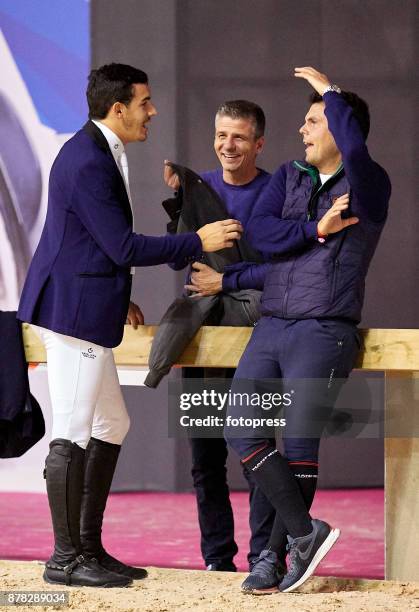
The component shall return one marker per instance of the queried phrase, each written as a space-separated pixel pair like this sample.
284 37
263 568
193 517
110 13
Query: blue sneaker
305 554
267 572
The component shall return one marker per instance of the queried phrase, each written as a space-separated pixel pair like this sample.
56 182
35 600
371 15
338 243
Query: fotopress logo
253 423
220 401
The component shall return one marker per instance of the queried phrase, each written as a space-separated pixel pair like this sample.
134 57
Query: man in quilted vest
320 219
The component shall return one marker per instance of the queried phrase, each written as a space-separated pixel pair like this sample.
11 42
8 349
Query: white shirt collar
324 177
115 143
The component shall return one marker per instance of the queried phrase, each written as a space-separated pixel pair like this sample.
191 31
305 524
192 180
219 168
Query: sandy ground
166 590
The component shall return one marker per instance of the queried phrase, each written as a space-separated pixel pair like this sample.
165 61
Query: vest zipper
289 280
336 264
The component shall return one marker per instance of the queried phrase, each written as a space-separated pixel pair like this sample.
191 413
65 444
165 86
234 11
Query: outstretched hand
317 80
332 221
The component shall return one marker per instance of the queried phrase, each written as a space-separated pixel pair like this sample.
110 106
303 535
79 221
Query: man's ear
116 109
259 144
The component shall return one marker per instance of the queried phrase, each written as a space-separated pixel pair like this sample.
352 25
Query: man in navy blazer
77 294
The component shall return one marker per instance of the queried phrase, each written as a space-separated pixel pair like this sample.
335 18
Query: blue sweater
238 200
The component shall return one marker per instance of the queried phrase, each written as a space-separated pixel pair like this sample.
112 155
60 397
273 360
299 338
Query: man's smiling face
133 117
236 146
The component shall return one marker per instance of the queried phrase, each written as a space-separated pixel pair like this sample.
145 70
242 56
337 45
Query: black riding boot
64 469
100 463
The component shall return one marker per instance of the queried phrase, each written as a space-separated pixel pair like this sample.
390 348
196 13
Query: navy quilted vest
325 279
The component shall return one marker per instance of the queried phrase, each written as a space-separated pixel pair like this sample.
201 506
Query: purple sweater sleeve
369 181
180 264
244 275
266 231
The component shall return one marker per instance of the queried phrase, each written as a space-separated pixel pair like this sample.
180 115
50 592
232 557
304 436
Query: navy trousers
215 515
318 354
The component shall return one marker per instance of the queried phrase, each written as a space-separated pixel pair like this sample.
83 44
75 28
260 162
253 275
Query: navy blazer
79 280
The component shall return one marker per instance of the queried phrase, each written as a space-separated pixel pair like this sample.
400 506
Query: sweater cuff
229 281
194 249
196 245
329 96
310 230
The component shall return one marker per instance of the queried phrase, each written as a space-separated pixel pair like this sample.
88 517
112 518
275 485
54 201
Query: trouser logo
262 461
90 354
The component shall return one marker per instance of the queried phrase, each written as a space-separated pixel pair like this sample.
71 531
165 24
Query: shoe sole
322 552
269 591
95 586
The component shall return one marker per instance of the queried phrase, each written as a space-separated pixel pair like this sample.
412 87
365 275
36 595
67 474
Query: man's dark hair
109 84
359 108
243 109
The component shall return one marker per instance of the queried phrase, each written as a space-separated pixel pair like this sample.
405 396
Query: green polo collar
313 172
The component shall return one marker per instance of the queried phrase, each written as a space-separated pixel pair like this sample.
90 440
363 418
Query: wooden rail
384 349
394 351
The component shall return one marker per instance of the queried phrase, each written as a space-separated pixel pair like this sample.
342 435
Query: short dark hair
109 84
243 109
359 108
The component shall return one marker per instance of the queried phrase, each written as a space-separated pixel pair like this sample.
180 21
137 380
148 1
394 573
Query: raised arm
368 180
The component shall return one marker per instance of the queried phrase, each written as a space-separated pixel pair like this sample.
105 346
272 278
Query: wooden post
401 451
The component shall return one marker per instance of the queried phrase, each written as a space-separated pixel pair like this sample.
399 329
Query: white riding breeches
85 393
